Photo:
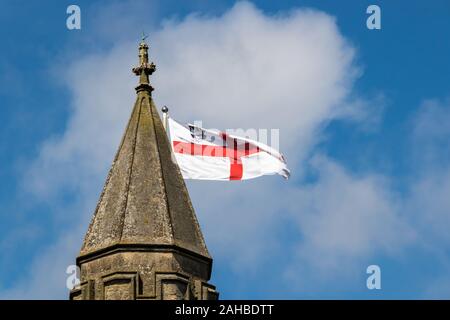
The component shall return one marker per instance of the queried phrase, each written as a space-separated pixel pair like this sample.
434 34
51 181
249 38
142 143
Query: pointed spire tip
145 68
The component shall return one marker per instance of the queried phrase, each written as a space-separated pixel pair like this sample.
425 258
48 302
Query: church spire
144 240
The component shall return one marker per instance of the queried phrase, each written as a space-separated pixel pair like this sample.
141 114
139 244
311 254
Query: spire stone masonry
144 240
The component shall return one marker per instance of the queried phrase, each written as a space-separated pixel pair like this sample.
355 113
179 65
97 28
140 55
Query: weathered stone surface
144 241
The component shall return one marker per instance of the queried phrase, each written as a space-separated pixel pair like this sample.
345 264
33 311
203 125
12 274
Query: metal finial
165 115
144 36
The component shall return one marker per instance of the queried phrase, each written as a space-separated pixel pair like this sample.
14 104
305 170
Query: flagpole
165 112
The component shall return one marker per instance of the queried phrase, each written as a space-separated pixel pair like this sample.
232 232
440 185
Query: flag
213 155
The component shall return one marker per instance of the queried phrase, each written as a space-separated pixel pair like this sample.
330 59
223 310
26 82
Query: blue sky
363 123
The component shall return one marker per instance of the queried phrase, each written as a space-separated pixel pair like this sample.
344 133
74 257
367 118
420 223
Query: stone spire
144 240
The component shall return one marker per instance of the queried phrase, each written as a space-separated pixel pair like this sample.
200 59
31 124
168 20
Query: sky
363 118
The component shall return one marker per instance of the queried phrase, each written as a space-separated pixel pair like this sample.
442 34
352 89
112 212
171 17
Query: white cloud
431 146
345 219
249 70
429 205
100 107
47 274
429 201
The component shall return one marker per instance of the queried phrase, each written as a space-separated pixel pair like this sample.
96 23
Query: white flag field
208 154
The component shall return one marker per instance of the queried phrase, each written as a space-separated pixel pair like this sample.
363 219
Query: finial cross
144 36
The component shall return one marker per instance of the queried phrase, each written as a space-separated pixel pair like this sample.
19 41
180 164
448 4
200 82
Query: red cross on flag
213 155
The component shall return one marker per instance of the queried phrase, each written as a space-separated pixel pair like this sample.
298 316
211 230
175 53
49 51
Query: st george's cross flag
214 155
